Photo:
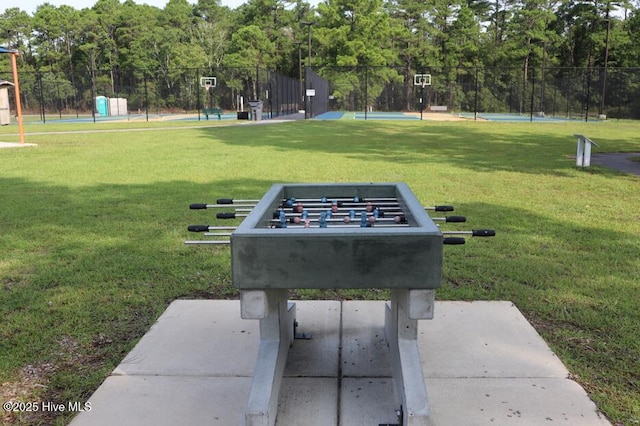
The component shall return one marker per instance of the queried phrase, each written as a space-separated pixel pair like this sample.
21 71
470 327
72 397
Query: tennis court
516 117
446 116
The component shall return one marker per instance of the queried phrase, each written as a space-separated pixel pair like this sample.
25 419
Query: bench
212 111
438 108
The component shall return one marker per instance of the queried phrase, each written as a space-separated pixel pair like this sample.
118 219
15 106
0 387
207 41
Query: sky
30 6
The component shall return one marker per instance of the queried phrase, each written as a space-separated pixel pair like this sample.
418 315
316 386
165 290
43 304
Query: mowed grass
93 226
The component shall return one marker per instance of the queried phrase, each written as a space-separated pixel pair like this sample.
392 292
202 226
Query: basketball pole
421 98
207 89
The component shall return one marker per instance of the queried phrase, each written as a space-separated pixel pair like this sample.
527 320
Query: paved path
618 161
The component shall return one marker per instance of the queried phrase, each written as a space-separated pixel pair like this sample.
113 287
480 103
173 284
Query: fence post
93 93
366 91
533 91
475 100
586 110
146 95
40 89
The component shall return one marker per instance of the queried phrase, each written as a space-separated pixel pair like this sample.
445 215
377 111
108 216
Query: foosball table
335 236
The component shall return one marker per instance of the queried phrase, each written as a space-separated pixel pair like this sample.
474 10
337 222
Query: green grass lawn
93 226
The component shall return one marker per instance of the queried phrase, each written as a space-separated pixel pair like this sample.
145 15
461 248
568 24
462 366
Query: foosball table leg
401 328
277 318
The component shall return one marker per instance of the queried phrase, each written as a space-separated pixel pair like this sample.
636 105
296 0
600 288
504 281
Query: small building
5 109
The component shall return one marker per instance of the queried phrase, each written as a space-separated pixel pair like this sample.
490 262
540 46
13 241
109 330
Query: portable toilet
117 106
102 106
5 110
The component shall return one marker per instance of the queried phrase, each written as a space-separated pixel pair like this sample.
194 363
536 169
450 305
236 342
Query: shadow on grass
101 263
86 271
483 148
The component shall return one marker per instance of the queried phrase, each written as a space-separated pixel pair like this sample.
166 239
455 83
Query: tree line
130 40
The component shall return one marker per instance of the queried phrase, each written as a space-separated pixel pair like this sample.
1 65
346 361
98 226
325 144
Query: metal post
606 59
93 93
146 98
40 89
366 93
421 99
586 110
59 102
309 24
533 91
475 100
301 88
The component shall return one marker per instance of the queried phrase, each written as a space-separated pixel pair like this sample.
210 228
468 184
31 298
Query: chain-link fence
158 92
558 92
579 93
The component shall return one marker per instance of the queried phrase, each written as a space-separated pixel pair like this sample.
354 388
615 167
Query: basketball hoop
422 80
207 82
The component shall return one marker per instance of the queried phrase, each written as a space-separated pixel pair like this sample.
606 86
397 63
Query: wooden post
16 87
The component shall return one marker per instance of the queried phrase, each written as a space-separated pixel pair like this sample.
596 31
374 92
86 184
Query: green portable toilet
102 107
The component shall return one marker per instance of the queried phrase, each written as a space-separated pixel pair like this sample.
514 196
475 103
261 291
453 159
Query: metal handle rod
234 201
340 199
204 228
338 213
207 242
337 220
347 225
202 206
473 233
343 204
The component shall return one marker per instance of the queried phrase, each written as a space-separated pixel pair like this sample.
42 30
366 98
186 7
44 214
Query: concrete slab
167 400
511 401
484 339
357 397
16 145
364 345
317 357
309 401
475 401
194 338
484 365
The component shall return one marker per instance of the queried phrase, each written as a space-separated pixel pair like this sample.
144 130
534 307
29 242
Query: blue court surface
500 117
515 117
361 115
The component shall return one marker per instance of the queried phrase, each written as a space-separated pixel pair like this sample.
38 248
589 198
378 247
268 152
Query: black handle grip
453 240
483 233
224 201
198 228
444 208
226 216
197 206
457 219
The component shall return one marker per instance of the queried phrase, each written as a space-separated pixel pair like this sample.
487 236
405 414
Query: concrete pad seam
339 396
150 374
433 376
